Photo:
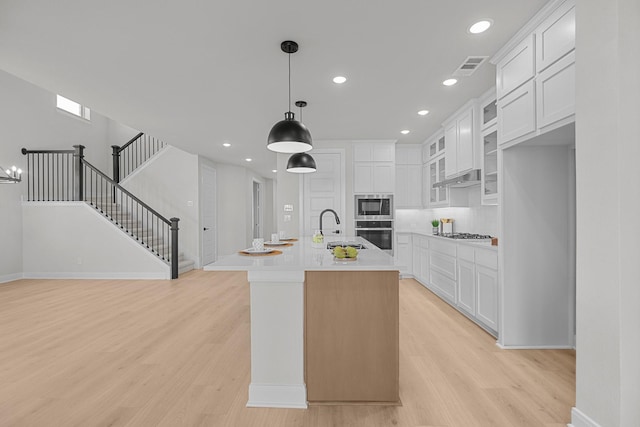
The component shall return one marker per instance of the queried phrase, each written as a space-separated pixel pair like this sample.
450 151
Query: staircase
149 237
64 175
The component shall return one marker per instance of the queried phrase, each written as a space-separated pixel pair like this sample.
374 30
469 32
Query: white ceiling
199 73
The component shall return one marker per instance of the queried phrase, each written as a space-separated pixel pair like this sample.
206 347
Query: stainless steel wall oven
380 233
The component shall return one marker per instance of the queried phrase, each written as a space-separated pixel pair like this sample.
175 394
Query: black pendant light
301 162
289 135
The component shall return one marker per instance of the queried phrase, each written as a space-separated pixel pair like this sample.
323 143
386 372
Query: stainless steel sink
344 244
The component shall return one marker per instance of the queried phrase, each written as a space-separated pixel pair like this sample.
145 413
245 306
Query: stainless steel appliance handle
371 229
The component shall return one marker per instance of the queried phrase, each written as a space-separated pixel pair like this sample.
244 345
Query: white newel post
277 339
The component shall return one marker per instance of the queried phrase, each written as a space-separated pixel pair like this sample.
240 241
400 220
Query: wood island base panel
351 337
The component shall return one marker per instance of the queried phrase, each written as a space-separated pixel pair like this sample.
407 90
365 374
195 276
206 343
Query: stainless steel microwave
375 206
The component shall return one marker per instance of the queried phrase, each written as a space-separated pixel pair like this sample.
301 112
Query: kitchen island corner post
277 339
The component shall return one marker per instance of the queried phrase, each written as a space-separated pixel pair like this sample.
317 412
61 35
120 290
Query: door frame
202 207
343 190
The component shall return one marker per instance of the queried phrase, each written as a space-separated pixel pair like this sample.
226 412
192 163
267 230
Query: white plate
275 243
262 251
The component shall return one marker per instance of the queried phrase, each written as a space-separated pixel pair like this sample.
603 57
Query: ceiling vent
469 66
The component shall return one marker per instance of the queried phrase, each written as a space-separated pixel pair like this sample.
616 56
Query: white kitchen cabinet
434 147
460 142
487 296
488 109
443 269
373 178
556 92
404 253
408 176
420 258
516 68
517 113
374 168
535 80
466 286
556 35
489 182
408 186
437 196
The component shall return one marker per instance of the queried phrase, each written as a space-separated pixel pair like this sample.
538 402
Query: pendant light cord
289 82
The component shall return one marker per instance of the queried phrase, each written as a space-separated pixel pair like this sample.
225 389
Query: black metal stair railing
135 152
64 175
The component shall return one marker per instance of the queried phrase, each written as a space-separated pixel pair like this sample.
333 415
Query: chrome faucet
334 214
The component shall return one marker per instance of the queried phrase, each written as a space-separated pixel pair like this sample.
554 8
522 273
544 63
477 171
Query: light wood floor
176 353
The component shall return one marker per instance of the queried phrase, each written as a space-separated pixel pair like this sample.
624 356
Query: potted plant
435 223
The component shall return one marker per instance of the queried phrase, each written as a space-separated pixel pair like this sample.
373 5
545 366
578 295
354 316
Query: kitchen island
322 330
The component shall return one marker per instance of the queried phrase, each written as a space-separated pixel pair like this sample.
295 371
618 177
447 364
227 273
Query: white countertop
304 256
485 244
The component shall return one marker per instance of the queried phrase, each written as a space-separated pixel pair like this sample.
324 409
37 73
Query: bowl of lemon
345 253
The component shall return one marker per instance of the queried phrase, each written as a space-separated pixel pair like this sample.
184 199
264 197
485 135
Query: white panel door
208 206
324 189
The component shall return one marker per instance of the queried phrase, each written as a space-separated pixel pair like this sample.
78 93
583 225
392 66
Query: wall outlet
288 208
287 218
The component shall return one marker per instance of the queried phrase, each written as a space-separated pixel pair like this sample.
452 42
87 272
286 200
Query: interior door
257 210
208 212
324 189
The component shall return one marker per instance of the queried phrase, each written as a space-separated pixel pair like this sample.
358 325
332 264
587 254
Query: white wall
72 240
29 118
608 208
168 183
473 219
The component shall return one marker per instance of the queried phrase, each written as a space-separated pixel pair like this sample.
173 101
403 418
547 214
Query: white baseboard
95 275
11 277
579 419
535 347
277 396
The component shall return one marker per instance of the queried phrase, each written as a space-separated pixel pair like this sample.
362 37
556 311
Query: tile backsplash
473 219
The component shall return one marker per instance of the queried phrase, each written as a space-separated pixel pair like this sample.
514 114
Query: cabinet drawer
516 68
443 264
465 252
487 258
516 113
444 284
556 36
556 91
445 248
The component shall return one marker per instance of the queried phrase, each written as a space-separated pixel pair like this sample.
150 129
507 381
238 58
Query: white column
277 339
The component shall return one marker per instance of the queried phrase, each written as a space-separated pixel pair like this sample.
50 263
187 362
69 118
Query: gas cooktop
466 236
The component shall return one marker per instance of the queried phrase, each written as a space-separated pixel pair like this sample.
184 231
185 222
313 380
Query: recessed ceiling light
248 160
423 112
450 82
274 170
404 132
339 79
226 144
480 27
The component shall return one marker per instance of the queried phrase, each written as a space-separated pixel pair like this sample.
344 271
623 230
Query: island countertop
304 255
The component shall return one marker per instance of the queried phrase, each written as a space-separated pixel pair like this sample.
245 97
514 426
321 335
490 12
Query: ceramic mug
283 235
275 238
258 244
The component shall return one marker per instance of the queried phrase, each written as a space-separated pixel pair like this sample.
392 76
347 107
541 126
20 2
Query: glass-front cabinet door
437 196
489 184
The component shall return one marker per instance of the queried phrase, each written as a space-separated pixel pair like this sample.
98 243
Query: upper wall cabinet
536 78
408 176
516 68
460 136
374 168
556 36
